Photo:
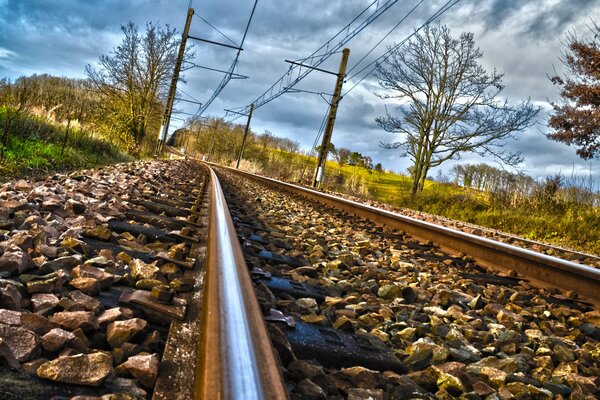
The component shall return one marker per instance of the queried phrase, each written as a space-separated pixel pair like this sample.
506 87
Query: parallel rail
236 360
540 269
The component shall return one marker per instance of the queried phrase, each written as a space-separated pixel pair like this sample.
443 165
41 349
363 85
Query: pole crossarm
332 46
233 76
309 92
213 42
229 74
236 112
188 101
311 67
183 113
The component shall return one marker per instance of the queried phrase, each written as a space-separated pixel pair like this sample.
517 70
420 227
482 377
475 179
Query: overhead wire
314 146
385 36
188 95
222 34
320 55
286 82
231 69
448 5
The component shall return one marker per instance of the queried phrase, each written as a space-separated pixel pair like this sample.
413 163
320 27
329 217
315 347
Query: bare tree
341 156
15 98
448 103
132 80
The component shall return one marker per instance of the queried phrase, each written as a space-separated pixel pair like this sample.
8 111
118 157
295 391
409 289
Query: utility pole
187 141
337 96
212 144
240 155
173 88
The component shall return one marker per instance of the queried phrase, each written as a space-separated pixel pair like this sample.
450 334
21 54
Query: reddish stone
143 367
119 332
37 323
23 343
56 339
88 286
72 320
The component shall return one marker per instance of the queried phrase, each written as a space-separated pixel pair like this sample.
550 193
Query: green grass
36 151
567 224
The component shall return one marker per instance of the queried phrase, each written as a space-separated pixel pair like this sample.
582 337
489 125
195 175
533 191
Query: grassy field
37 150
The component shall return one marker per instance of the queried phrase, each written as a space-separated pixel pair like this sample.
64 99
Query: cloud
5 53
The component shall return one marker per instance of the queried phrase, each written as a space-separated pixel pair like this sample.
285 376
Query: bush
35 146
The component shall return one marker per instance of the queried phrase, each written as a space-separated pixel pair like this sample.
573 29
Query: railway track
389 307
494 234
540 268
264 290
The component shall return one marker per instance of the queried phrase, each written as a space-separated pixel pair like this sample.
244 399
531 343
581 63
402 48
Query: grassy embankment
555 219
34 148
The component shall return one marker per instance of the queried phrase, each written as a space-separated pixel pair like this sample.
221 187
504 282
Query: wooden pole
241 154
337 96
173 88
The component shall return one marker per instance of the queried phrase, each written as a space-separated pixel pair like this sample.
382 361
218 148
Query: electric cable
230 72
188 95
386 35
314 146
285 82
222 34
448 5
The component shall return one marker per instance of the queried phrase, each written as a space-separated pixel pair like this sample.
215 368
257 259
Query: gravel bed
463 332
63 327
551 250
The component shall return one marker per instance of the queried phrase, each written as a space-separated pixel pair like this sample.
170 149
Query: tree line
506 188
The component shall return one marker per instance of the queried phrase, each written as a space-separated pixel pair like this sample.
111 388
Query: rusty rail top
541 269
236 359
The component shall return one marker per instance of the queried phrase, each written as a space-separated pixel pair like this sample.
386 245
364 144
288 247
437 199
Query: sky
522 39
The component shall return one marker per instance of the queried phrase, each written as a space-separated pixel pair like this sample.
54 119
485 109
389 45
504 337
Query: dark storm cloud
559 17
538 18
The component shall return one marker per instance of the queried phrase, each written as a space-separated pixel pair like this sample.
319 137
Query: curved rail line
236 360
540 269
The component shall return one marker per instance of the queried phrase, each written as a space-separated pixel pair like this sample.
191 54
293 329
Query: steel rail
236 359
541 269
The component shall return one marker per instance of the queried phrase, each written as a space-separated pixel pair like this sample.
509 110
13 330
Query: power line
320 55
448 5
188 95
230 72
317 138
286 82
222 34
386 35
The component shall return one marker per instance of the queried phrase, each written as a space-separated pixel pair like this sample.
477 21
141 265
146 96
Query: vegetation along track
99 282
380 314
